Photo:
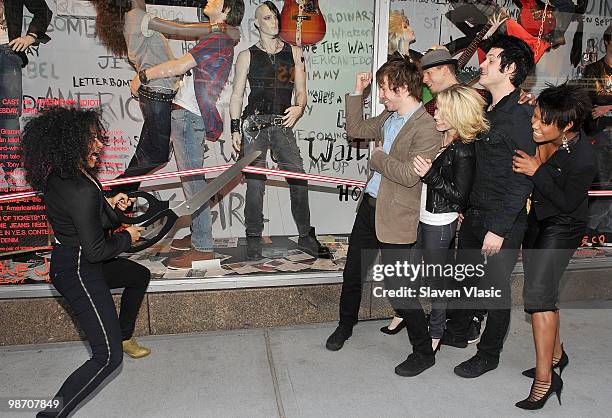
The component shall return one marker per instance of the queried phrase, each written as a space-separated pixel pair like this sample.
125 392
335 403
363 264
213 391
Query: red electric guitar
531 18
301 22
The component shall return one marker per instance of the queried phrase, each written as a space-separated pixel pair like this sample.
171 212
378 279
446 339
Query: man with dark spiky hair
495 220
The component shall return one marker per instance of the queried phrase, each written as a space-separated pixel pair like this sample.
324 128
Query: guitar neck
467 54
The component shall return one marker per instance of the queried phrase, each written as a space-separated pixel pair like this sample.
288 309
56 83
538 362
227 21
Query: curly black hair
58 140
110 18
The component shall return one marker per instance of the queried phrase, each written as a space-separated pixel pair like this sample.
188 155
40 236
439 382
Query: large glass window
75 68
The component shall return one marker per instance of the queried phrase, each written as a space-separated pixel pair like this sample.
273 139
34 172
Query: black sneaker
338 337
415 364
474 331
311 245
448 339
474 367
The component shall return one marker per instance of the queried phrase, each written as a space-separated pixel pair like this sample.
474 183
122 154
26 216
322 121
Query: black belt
276 121
371 200
156 95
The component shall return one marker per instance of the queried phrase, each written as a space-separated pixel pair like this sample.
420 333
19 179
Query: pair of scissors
159 217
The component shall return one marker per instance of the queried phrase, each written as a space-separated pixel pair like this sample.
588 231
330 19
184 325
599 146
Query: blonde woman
447 182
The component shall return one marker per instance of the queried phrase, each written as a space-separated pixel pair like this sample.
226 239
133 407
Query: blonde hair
463 108
396 28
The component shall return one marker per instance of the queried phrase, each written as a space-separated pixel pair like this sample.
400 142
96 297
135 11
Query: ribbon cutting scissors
161 211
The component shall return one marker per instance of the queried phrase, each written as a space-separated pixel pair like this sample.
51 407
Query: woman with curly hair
126 29
561 171
61 153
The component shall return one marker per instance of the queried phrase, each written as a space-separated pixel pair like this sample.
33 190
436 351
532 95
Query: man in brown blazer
388 213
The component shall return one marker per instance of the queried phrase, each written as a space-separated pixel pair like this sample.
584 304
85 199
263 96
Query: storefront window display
338 39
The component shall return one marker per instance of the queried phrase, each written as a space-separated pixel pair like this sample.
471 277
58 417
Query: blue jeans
433 244
11 93
153 149
187 136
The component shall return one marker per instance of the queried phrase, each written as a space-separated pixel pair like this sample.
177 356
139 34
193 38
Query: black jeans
362 252
153 149
433 244
498 270
281 141
86 288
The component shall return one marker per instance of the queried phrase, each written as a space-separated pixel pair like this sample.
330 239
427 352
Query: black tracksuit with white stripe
84 267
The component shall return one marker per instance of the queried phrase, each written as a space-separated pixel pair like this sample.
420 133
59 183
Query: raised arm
191 30
239 86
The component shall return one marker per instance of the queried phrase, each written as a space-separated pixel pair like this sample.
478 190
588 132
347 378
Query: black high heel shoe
561 364
539 393
395 330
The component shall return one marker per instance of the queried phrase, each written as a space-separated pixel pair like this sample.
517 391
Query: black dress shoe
415 364
311 245
561 364
540 392
395 330
447 339
338 337
474 367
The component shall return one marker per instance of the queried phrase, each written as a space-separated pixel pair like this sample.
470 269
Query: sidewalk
287 372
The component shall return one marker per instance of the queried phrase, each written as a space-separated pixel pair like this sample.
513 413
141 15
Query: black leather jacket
449 180
81 217
41 17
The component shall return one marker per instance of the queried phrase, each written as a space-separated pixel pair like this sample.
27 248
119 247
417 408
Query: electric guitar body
301 22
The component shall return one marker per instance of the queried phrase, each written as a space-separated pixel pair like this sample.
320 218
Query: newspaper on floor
298 255
284 265
215 263
225 242
324 264
222 257
273 252
242 268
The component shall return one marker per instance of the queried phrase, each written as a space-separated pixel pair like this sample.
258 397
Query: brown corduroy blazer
399 196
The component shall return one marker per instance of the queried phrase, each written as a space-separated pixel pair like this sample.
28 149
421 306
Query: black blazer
562 182
81 217
449 180
41 17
